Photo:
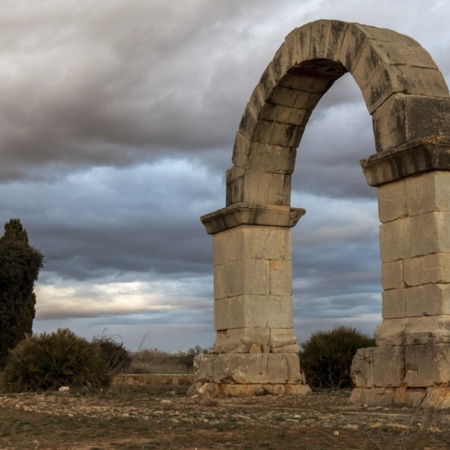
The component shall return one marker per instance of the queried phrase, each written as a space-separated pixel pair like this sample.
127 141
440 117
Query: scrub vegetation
326 357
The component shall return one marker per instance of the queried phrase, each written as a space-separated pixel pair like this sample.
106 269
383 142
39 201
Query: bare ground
162 418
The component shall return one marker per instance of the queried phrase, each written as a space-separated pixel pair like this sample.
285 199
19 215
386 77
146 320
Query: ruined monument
255 349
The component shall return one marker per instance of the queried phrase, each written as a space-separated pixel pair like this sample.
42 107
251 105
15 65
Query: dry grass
157 361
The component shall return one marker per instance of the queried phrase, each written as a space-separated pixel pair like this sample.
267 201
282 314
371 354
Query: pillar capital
425 155
242 214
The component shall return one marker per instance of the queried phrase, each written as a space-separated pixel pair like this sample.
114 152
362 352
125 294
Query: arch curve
400 83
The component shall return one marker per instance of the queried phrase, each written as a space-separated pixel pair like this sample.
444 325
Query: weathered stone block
404 52
292 362
328 38
355 39
204 367
427 193
379 74
437 397
284 114
390 332
297 389
305 83
266 85
241 214
292 98
392 275
246 390
413 158
388 366
427 300
392 201
243 390
362 368
249 120
427 365
280 274
372 396
255 368
232 340
293 348
263 157
283 60
394 304
252 242
240 277
280 337
434 268
416 117
415 236
276 133
424 397
253 311
258 188
427 330
379 367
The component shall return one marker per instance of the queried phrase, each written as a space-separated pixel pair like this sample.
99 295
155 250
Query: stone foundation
411 375
433 397
244 374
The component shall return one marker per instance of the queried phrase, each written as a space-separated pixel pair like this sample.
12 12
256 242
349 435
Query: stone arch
397 78
407 97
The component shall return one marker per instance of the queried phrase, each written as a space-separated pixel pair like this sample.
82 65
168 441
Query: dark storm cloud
117 123
120 220
116 84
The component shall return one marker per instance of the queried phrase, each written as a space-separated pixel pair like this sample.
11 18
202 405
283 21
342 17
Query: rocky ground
151 418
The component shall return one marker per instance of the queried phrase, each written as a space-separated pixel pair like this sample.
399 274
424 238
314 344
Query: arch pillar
256 348
411 362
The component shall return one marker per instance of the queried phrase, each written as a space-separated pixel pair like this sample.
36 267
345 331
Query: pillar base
432 397
246 374
248 390
408 375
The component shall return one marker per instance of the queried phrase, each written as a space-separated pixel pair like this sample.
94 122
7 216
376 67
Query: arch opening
335 249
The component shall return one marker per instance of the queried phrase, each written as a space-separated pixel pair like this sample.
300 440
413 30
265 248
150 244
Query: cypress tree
19 269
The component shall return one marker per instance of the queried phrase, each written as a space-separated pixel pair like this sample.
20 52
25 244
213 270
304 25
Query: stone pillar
255 349
411 363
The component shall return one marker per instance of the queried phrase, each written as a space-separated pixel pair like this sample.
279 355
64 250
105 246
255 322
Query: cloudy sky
117 122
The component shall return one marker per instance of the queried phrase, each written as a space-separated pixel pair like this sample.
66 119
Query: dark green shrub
49 361
115 354
326 357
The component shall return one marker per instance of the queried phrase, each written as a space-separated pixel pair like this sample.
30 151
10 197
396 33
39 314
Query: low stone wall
153 379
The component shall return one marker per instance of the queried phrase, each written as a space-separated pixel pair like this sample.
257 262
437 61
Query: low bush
51 360
326 357
115 354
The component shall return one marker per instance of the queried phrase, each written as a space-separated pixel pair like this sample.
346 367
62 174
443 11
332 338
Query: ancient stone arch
407 97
